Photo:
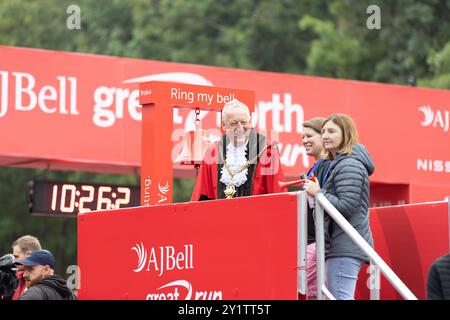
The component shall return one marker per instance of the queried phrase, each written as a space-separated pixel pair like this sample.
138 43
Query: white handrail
320 255
322 201
302 242
327 293
374 278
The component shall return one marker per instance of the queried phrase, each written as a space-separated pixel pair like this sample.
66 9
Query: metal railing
377 263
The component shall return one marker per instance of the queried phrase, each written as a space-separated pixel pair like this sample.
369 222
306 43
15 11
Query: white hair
231 105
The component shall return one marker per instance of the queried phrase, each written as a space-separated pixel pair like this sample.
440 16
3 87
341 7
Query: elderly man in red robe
242 163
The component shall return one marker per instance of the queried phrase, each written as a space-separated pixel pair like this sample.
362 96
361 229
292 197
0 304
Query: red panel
385 195
409 238
432 191
243 248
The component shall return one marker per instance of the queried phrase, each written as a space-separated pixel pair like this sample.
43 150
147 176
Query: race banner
72 111
244 248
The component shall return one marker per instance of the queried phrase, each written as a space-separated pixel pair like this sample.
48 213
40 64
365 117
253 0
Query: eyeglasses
236 123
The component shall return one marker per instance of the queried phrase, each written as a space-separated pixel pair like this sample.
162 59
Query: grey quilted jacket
347 188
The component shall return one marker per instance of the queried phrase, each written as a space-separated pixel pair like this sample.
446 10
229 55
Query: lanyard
324 177
314 167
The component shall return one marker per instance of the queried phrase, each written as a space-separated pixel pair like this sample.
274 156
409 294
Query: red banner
243 248
82 113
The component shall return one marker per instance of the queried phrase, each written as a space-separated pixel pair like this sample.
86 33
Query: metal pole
302 240
320 244
374 281
327 293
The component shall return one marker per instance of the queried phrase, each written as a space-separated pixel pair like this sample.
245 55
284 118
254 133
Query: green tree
334 54
397 53
439 63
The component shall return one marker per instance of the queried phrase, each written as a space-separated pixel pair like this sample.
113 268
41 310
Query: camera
8 279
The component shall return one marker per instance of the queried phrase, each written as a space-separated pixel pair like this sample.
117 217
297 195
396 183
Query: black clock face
59 198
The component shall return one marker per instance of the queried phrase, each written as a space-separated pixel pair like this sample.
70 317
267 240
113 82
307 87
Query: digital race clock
61 198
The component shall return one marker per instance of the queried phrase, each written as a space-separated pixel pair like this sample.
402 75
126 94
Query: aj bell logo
163 190
142 256
436 118
164 258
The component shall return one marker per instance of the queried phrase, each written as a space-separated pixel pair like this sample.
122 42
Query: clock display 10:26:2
68 198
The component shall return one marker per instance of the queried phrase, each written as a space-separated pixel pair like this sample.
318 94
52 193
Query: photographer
8 279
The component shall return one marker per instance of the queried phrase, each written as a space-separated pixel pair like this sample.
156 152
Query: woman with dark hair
312 141
347 188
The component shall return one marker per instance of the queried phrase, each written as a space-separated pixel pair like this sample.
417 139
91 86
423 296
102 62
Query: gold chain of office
231 189
247 164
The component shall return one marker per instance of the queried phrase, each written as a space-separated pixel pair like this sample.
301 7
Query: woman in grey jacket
347 188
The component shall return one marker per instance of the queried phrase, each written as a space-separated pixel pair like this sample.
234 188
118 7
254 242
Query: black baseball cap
41 257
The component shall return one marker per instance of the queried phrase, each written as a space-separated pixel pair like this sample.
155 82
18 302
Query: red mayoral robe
266 174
